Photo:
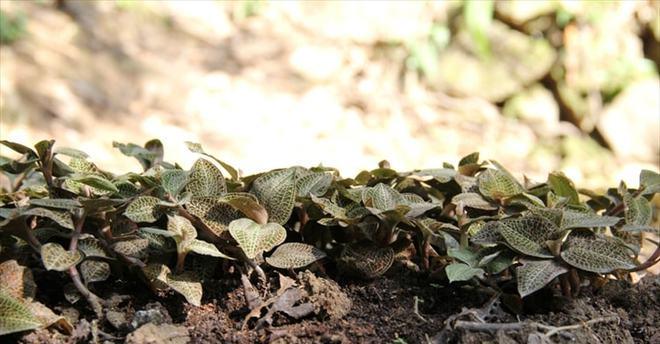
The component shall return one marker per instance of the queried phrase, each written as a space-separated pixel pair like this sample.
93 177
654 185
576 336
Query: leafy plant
12 27
474 223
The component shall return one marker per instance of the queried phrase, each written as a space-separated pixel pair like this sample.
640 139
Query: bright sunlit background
536 85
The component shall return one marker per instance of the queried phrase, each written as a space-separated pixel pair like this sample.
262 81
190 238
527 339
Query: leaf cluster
170 226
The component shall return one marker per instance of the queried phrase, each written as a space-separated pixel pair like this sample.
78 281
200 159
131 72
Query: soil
382 311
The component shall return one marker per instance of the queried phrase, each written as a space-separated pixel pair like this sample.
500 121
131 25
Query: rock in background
537 85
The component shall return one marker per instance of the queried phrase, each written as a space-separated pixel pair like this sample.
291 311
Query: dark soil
383 311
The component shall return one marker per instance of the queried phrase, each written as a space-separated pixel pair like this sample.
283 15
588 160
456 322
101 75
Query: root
547 330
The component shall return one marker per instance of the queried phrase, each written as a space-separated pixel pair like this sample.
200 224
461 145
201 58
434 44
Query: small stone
116 319
153 313
316 63
159 334
631 124
536 107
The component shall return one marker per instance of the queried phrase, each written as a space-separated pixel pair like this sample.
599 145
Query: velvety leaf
16 280
72 152
638 210
471 158
94 271
247 204
71 294
489 234
277 192
329 207
58 203
473 200
144 209
563 187
44 149
207 249
157 149
16 167
61 217
91 247
574 219
313 183
526 200
416 205
536 274
156 275
137 248
47 318
442 175
174 181
83 166
568 219
529 234
197 148
188 285
254 238
367 261
214 213
18 148
16 317
465 255
503 261
127 189
650 181
294 255
183 230
55 257
160 241
597 255
206 180
381 197
498 184
462 272
143 155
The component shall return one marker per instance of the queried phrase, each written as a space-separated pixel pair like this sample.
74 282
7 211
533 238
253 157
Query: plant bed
455 254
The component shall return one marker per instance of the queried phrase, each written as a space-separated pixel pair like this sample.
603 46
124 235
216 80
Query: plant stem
29 235
180 261
94 301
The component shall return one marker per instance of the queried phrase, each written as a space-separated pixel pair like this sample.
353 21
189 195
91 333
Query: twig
416 310
549 330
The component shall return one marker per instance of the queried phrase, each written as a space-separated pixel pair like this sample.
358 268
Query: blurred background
536 85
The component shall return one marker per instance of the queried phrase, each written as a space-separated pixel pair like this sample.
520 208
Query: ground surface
383 311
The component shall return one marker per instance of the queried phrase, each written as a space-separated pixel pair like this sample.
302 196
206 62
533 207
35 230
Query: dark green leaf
197 148
276 191
15 316
206 180
498 184
254 238
55 257
536 274
598 255
563 187
72 152
19 148
97 182
462 272
144 209
174 181
294 255
529 234
59 203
